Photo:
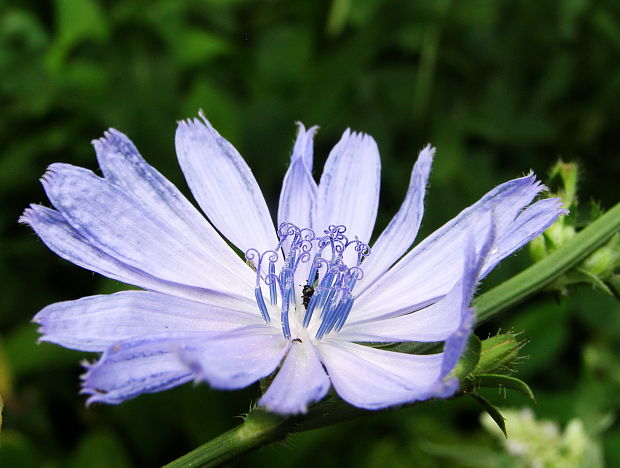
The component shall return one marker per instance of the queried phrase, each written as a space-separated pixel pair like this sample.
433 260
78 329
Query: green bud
598 269
563 229
605 260
499 354
568 173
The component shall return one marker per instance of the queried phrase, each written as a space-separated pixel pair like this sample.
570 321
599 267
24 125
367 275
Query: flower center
318 265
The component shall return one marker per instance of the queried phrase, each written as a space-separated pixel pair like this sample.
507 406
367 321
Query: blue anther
326 287
313 271
329 302
329 320
344 314
291 293
292 256
311 305
286 330
261 304
273 294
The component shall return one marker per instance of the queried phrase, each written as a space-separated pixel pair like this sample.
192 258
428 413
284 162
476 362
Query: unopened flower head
309 296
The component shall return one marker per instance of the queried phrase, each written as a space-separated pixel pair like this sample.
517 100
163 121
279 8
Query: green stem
258 429
262 428
543 273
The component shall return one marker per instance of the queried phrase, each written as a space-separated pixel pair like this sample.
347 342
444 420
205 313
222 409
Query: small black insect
306 294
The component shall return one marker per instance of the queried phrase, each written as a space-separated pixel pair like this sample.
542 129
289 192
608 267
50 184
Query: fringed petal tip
28 214
98 396
425 160
428 151
301 128
535 182
132 368
358 140
554 207
200 121
52 172
113 140
94 395
558 205
303 147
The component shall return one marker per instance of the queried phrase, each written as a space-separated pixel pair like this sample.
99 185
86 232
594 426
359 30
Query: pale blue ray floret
309 297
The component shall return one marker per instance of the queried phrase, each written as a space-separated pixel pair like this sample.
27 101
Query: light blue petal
373 378
432 323
530 223
398 236
431 269
349 188
117 224
300 381
437 322
224 186
129 369
298 195
123 166
97 322
61 238
455 344
237 358
304 145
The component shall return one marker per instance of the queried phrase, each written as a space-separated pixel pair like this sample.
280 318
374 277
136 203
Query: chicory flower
311 293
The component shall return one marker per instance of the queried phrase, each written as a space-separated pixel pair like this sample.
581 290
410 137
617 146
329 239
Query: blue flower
308 294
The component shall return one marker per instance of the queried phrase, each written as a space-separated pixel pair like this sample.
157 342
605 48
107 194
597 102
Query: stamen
273 294
261 304
329 292
255 257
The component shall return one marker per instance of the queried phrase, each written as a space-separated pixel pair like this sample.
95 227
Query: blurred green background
499 87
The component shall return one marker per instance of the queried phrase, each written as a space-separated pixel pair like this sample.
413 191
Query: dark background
499 87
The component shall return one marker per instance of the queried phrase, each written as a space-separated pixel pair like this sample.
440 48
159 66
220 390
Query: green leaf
504 381
493 411
76 21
